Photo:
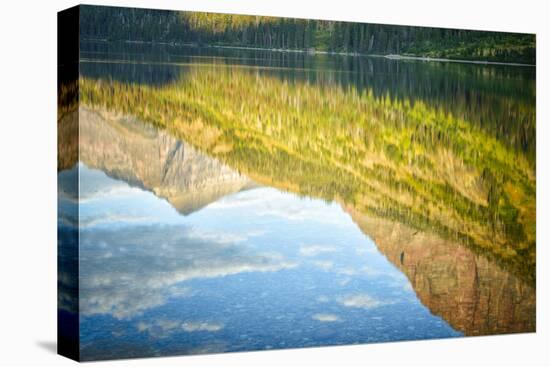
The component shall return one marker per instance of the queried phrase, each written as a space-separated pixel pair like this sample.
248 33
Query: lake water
200 232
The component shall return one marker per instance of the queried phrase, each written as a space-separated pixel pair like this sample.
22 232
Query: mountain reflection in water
224 264
231 200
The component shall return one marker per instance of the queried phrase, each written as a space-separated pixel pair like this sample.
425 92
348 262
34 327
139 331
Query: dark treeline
146 25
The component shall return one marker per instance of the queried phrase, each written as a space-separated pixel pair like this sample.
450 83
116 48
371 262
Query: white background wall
28 182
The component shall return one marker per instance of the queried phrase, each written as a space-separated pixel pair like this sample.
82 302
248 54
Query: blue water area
257 269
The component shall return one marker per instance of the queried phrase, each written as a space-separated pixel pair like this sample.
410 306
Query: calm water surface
182 252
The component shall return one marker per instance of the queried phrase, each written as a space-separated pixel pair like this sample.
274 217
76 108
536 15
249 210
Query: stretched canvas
235 183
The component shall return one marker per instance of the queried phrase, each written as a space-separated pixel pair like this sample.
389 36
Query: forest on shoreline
197 28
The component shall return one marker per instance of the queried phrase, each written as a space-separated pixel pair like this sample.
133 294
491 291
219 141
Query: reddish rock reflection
473 294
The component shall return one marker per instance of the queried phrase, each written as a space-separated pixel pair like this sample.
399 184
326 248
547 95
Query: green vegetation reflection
392 158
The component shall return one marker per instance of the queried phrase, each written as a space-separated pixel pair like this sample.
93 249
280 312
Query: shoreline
463 61
396 57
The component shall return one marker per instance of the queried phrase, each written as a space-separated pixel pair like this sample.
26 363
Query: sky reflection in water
258 269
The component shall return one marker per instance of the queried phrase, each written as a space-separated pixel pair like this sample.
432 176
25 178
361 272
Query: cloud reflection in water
257 269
